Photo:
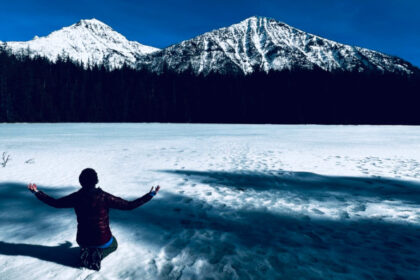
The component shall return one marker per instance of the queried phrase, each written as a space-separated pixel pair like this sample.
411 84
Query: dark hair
88 178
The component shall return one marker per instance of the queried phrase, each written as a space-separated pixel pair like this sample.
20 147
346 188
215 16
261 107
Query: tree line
37 90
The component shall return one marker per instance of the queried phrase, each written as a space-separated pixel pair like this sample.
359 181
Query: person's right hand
155 190
32 188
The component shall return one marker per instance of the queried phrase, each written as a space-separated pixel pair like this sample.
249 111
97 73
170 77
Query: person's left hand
32 187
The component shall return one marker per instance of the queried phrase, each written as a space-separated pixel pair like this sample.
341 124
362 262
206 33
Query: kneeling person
92 205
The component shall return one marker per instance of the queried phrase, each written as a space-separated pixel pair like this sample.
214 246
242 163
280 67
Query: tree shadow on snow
252 239
319 247
22 216
256 241
309 184
62 254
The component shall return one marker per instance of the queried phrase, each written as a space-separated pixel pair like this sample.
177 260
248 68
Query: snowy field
237 201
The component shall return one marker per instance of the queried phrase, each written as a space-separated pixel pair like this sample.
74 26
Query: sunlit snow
237 201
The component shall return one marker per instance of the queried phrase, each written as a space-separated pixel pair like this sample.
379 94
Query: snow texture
237 201
254 44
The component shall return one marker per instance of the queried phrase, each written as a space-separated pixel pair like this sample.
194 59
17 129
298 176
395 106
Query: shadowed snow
237 201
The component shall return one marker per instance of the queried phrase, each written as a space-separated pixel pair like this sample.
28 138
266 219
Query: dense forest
36 90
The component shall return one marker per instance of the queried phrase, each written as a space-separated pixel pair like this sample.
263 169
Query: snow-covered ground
237 201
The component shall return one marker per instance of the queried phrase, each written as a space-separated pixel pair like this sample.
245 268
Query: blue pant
112 248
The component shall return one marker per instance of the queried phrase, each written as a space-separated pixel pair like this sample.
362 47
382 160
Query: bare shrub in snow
30 161
5 158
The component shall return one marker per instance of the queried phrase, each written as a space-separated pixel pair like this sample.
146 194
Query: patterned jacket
92 211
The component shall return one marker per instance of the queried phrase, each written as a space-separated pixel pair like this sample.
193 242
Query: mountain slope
254 44
88 41
260 43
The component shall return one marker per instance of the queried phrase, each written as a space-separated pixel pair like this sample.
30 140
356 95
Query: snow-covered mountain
260 43
256 43
88 41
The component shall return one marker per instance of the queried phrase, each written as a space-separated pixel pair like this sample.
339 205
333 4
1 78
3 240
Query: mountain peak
91 22
92 25
89 41
257 18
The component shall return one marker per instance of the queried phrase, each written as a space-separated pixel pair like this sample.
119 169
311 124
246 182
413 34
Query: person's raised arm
64 202
122 204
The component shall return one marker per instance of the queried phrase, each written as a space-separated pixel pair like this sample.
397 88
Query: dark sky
390 26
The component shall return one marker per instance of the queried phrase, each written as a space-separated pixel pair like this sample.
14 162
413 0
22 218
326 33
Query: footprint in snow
317 211
359 208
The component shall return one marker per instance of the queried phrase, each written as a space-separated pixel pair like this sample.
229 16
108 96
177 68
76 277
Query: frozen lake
237 201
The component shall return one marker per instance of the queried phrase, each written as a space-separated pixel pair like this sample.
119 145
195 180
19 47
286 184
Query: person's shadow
62 254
